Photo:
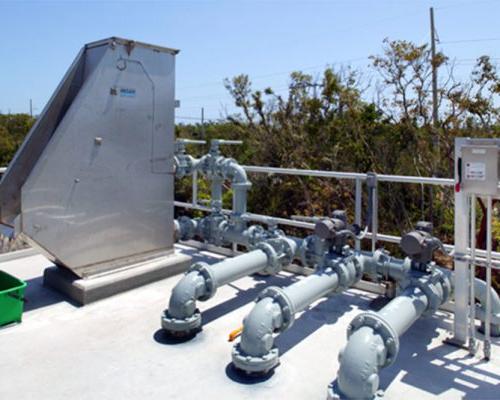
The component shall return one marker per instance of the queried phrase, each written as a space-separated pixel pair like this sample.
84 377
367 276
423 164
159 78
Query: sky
220 39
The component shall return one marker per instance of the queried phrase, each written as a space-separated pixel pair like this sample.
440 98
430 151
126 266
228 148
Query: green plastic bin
11 298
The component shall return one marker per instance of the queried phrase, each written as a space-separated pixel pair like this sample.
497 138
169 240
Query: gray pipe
239 183
276 308
201 283
374 337
202 280
380 263
306 291
405 309
481 290
216 193
235 268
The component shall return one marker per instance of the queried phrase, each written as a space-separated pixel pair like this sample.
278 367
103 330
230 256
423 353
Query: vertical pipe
358 206
487 319
216 193
472 303
375 218
194 196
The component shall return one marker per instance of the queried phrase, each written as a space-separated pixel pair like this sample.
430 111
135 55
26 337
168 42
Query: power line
470 40
272 74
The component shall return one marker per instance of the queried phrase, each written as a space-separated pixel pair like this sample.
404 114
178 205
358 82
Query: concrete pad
114 348
87 290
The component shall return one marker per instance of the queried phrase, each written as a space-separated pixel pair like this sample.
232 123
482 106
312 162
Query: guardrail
359 179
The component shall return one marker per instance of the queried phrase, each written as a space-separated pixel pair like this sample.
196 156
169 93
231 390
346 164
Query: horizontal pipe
308 290
237 267
401 312
480 260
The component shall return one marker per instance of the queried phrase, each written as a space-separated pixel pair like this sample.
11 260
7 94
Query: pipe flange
181 327
445 285
338 267
428 285
334 393
210 285
288 248
287 310
305 249
255 234
358 268
254 365
273 264
187 227
380 327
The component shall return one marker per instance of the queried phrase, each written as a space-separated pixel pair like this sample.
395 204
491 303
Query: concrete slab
88 290
113 349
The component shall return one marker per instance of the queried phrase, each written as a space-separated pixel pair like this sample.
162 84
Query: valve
180 145
335 229
215 143
184 162
420 244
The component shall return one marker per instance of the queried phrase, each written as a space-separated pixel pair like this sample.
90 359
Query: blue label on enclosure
126 92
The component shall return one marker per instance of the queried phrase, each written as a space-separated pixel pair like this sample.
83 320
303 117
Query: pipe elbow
480 289
256 352
237 173
360 363
259 326
182 302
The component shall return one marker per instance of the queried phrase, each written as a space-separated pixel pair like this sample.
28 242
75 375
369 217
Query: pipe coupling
436 287
380 327
349 270
255 234
273 264
187 228
279 297
210 284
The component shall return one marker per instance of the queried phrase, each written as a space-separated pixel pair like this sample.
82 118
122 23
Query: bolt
77 180
98 140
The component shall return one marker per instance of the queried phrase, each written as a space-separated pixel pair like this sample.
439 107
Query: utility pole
202 122
31 107
435 116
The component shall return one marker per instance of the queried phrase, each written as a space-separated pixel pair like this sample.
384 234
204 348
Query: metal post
194 196
487 319
358 206
461 279
472 296
375 217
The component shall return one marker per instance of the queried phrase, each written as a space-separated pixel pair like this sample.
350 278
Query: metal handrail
359 178
350 175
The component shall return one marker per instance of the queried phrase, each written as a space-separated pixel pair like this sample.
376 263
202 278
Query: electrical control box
480 169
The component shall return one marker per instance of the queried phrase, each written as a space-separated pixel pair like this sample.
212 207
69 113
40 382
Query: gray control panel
480 169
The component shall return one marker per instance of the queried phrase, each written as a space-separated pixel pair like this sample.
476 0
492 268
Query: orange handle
234 334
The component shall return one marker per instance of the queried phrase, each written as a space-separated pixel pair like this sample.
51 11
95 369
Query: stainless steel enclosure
92 184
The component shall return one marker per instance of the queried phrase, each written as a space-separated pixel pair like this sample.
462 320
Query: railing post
462 275
358 207
194 196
